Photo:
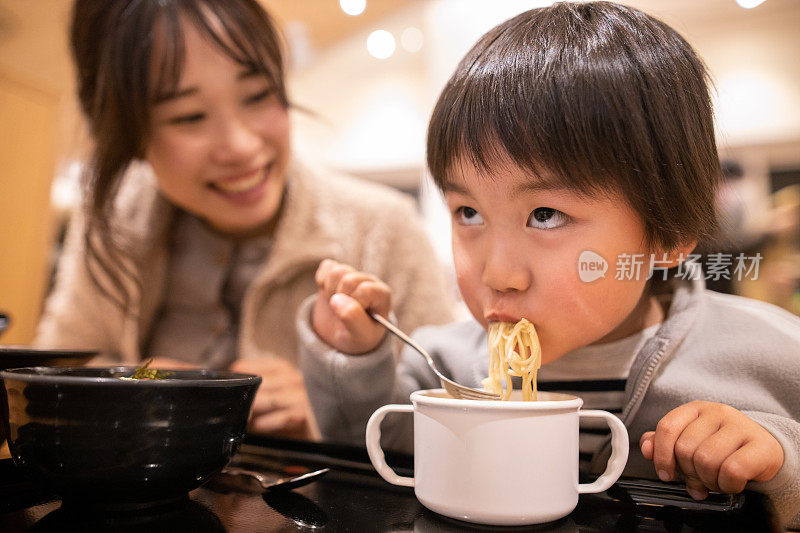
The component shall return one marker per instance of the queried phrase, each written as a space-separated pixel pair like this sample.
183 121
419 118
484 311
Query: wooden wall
28 122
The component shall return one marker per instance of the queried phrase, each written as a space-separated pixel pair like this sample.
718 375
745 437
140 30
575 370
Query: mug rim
427 397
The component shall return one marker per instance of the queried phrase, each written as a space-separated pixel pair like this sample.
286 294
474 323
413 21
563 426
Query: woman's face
219 145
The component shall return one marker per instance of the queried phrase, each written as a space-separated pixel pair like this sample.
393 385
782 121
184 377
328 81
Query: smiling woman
201 232
220 141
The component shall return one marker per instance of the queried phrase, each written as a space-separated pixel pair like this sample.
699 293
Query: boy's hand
340 314
716 447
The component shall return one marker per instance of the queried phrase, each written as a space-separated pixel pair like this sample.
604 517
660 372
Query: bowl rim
33 374
30 351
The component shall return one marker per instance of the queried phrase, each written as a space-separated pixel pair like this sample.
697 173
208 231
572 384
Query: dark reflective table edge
350 462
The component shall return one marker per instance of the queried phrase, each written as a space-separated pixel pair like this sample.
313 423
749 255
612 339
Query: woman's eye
190 118
466 216
547 218
260 96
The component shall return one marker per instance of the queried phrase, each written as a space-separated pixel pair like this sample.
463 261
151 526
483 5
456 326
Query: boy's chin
550 354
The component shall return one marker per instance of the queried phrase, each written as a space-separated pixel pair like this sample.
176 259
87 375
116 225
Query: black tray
352 497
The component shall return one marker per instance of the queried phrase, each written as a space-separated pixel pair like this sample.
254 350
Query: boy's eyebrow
525 186
189 91
450 186
539 185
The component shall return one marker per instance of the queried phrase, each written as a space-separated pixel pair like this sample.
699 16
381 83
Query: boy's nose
505 270
236 141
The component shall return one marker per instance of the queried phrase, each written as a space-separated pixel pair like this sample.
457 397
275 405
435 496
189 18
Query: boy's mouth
496 316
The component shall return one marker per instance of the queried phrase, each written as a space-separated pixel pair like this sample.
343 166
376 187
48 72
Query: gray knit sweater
711 347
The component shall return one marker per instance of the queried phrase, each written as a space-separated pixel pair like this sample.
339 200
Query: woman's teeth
242 185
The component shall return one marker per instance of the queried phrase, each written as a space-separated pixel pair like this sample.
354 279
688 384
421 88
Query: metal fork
454 389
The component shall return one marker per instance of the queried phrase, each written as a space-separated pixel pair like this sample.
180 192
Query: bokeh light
353 7
381 44
412 39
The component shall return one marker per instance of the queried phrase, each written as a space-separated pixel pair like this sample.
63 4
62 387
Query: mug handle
619 453
374 444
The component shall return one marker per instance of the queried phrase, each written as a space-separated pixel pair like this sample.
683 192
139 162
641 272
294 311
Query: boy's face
517 244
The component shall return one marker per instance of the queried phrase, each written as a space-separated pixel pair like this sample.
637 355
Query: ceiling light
380 44
353 7
749 4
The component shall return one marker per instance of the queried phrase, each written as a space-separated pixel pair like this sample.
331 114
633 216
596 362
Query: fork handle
405 338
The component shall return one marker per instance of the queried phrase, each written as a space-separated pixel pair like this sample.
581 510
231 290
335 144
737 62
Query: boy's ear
677 255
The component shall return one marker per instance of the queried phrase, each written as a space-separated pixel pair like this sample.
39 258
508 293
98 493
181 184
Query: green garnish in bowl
149 373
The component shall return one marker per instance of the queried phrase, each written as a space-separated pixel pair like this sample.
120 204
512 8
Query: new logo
591 266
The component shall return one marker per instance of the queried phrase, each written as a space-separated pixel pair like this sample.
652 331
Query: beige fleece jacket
369 226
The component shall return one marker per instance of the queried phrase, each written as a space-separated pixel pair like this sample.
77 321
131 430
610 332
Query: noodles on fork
514 350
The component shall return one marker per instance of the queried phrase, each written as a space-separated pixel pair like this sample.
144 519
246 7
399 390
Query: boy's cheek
468 273
579 314
470 291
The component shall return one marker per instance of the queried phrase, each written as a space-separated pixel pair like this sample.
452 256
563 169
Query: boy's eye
547 218
466 216
190 118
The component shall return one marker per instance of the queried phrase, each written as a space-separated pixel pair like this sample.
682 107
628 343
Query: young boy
571 137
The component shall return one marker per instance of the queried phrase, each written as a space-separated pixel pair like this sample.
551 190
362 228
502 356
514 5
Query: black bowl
19 356
93 437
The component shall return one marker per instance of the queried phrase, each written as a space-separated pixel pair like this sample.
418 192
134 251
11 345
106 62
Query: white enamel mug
504 463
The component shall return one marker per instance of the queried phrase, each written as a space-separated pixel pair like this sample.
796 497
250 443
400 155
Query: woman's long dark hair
113 42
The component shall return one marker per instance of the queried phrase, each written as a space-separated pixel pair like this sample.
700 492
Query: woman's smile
245 188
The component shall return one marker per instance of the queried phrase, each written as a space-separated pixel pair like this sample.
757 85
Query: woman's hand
716 447
340 313
281 404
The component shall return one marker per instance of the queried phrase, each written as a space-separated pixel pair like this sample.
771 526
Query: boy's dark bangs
577 94
511 106
483 128
245 35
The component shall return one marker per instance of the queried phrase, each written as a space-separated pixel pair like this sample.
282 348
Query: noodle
514 350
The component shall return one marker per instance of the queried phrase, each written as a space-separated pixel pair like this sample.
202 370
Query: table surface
352 497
